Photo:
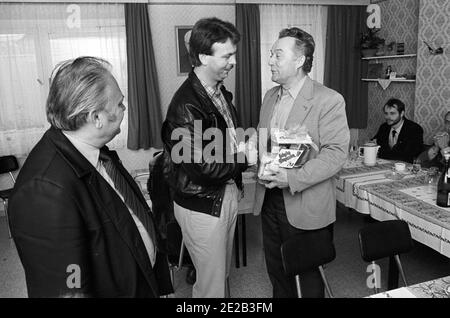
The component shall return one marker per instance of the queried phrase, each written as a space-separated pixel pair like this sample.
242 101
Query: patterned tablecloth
245 204
437 288
374 191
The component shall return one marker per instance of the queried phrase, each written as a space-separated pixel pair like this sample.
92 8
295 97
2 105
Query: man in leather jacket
206 186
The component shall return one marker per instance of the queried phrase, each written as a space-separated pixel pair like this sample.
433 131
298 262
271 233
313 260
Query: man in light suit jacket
301 199
80 223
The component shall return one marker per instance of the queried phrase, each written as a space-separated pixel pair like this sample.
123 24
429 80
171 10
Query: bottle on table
443 187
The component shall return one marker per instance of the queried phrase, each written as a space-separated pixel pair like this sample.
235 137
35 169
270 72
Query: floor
346 274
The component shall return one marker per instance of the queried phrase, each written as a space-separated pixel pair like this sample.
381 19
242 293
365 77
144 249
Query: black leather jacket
199 185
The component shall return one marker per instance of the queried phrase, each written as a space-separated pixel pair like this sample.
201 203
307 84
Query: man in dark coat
81 226
399 138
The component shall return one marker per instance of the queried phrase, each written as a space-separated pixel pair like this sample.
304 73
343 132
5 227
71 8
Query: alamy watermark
374 279
73 20
198 145
73 280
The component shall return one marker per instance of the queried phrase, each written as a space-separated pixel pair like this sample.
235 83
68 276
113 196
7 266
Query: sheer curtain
310 18
34 38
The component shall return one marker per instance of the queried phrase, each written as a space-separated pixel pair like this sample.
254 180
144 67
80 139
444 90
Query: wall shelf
392 80
388 57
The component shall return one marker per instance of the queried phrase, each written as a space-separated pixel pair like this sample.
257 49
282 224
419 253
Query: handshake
251 151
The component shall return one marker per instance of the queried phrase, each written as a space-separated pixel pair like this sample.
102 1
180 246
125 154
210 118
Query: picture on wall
182 34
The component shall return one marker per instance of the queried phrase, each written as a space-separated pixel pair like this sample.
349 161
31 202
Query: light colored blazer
310 199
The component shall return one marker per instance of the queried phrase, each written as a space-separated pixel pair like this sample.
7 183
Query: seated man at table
399 138
433 156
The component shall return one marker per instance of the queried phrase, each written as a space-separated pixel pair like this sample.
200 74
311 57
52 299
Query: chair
386 239
306 251
176 250
8 164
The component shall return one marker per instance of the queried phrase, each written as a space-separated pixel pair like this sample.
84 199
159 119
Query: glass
432 176
353 153
416 166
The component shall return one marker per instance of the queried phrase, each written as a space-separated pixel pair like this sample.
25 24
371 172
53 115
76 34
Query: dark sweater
409 142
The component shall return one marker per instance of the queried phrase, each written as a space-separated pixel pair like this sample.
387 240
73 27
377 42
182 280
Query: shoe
191 276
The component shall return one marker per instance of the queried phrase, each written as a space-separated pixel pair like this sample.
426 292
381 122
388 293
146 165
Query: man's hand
441 140
432 152
251 152
277 180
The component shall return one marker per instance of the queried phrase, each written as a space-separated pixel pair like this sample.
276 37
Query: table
245 206
437 288
368 191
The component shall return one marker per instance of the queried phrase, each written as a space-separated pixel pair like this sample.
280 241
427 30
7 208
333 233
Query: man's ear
203 59
300 61
94 118
402 114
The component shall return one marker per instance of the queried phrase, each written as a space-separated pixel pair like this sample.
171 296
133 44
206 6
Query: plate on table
394 175
404 173
377 163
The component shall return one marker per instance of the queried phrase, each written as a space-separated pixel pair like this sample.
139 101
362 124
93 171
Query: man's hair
395 103
77 89
208 31
304 43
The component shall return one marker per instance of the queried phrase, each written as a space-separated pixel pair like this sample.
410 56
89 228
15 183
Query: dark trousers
276 230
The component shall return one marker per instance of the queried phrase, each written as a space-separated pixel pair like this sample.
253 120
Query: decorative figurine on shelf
388 71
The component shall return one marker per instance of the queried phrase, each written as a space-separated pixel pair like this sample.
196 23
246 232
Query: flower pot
368 52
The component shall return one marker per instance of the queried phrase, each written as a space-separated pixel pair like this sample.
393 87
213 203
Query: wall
399 23
163 19
433 71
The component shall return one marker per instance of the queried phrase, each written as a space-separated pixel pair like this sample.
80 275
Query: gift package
290 149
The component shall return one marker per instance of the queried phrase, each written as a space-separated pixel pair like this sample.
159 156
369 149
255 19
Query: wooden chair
8 164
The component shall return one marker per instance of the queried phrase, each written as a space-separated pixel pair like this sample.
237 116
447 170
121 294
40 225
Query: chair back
384 239
307 251
8 164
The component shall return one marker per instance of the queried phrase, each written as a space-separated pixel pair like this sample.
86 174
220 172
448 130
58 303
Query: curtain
248 68
144 101
310 18
343 64
36 37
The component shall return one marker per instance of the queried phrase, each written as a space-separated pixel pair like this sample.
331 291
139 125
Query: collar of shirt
212 92
90 152
294 90
398 129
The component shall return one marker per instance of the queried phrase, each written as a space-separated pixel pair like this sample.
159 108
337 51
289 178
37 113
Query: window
34 38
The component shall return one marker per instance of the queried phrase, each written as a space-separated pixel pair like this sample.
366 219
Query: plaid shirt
222 106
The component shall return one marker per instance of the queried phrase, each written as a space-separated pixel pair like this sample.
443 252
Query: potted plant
370 42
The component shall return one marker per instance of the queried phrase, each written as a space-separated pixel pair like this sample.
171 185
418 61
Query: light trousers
209 240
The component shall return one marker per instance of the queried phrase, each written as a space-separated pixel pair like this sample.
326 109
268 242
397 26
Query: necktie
129 196
392 143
